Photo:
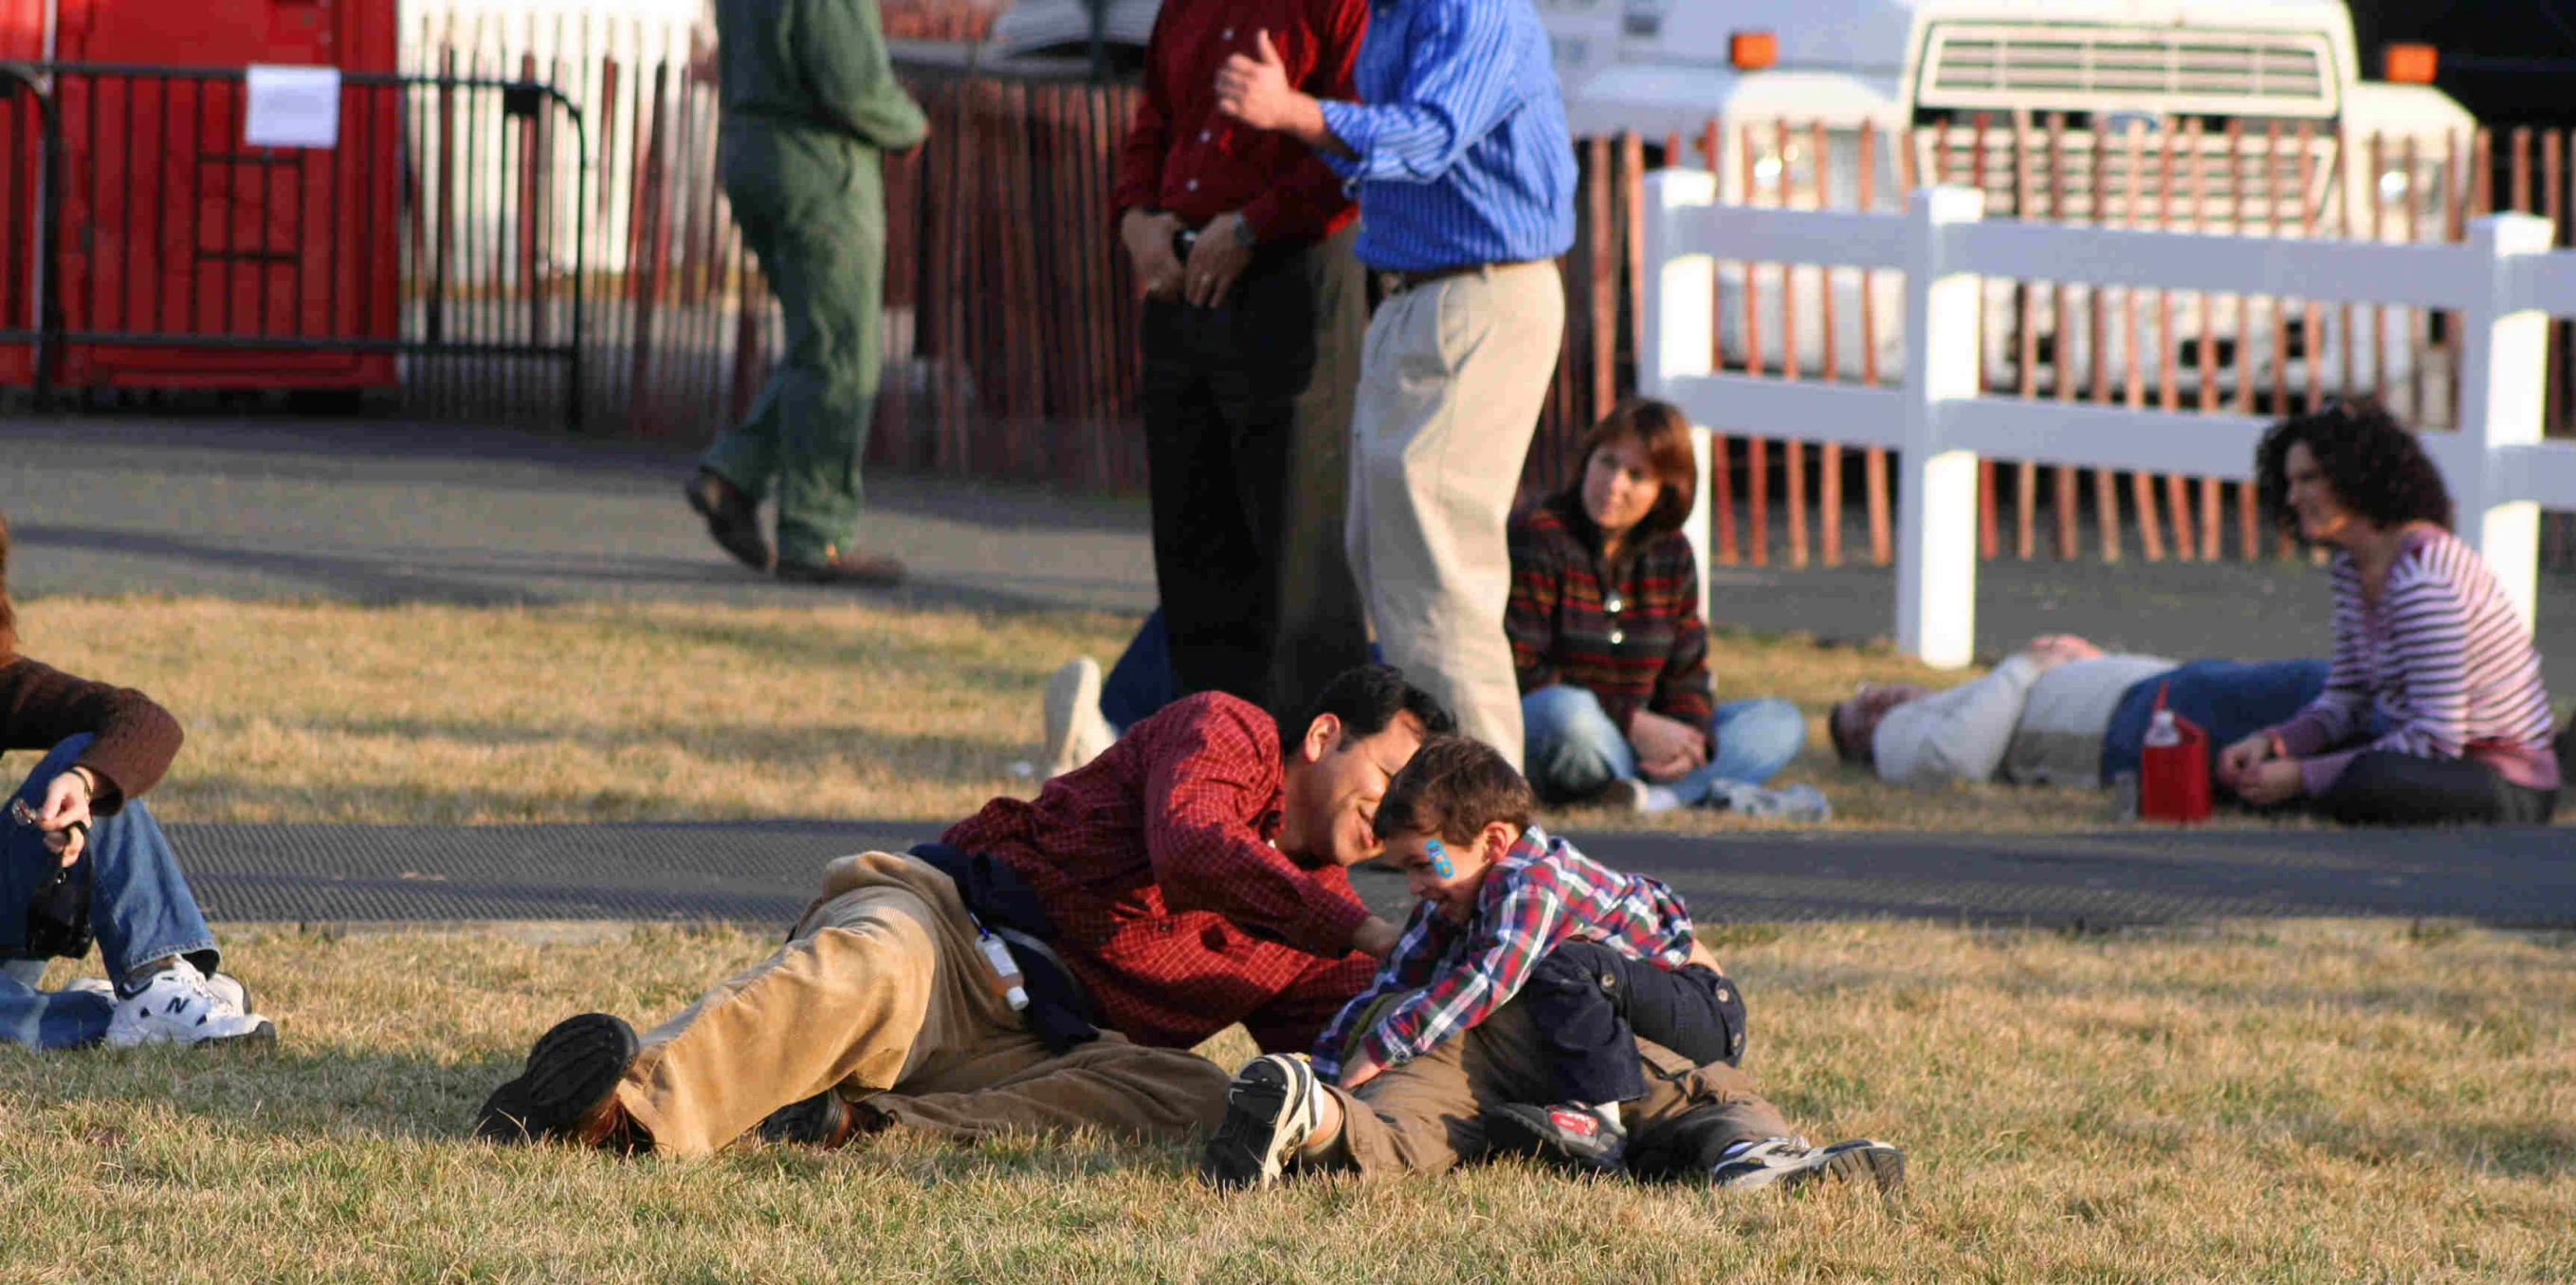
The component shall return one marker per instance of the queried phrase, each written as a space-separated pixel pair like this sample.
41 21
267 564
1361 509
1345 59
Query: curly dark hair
2374 464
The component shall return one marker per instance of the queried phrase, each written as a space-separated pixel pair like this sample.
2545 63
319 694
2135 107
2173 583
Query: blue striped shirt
1461 149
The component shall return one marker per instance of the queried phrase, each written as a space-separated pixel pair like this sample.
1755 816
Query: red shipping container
173 228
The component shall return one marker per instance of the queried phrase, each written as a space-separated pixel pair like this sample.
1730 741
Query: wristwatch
1243 234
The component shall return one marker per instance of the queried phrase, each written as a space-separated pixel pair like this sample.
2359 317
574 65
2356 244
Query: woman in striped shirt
2434 711
1607 639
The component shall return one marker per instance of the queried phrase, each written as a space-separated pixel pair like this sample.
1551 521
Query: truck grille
2263 179
2107 69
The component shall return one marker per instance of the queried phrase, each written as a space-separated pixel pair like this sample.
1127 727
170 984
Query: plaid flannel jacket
1541 893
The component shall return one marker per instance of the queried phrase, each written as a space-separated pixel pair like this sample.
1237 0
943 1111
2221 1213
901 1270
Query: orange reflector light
1753 50
2412 64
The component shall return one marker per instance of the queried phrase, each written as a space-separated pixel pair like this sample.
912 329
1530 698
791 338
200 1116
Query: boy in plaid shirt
1585 960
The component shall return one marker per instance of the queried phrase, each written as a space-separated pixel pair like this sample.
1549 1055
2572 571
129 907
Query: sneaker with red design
1568 1135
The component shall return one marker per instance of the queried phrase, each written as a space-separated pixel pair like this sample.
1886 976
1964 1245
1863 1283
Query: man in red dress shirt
1194 876
1251 354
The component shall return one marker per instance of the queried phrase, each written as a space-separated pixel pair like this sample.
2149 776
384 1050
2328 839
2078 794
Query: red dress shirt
1185 156
1155 862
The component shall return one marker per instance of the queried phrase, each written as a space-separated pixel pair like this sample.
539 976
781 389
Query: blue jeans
2229 699
140 908
1574 751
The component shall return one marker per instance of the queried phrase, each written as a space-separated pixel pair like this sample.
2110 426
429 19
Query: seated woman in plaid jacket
1604 619
1529 993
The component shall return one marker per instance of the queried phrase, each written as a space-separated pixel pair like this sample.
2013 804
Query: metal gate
439 249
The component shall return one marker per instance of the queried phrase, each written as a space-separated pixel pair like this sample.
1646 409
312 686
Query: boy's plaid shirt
1541 893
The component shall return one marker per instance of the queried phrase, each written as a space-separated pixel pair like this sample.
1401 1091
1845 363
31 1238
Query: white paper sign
293 107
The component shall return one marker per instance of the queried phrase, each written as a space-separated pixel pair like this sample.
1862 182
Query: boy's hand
1358 1071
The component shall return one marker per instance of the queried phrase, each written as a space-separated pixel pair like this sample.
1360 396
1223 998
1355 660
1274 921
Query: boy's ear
1496 840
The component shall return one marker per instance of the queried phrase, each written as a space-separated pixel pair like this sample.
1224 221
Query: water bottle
998 954
2173 769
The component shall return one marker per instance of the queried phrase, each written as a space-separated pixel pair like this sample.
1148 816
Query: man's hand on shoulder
1255 90
1376 937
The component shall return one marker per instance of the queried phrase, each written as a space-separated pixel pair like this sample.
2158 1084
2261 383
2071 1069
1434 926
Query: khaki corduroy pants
881 995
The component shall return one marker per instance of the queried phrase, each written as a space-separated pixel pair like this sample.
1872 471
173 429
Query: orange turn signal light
1753 50
2408 64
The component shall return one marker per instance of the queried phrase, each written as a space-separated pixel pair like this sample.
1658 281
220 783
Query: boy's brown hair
1454 788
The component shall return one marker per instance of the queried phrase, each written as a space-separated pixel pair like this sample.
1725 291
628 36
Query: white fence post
1936 558
2504 359
1681 326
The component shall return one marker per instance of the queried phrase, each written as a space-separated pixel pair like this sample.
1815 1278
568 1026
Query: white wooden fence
2504 283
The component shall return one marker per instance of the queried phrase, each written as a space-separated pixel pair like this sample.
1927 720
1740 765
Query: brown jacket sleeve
133 739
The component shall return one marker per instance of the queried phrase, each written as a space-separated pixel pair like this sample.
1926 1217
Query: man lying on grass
1192 877
1532 990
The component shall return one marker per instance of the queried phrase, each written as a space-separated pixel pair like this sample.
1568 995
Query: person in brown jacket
80 856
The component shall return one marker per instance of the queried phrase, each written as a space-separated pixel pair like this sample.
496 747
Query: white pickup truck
2223 115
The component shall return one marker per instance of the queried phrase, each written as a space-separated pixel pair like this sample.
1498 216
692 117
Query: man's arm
842 53
1960 734
1207 856
1310 196
1456 89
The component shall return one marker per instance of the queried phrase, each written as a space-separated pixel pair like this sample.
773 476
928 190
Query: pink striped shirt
2444 662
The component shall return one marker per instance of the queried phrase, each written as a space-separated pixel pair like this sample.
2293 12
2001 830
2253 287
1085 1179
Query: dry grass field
2309 1102
680 712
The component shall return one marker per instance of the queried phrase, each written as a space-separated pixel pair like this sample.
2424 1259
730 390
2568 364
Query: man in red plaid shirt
1045 966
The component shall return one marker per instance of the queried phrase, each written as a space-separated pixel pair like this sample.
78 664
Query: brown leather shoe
844 566
732 518
568 1090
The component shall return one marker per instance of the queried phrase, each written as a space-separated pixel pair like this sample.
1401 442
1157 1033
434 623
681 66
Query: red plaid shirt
1155 862
1541 893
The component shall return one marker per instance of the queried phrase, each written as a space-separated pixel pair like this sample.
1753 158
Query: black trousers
1592 1004
1247 410
2384 787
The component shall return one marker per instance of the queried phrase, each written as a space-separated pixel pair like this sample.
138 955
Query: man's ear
1322 736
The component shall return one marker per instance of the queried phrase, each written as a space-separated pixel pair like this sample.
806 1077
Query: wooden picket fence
1011 314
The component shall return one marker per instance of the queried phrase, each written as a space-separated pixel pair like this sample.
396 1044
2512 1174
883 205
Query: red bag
2173 768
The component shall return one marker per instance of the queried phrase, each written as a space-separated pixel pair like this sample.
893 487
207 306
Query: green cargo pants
811 206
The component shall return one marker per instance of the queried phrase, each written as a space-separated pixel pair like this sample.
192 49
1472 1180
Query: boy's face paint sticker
1440 864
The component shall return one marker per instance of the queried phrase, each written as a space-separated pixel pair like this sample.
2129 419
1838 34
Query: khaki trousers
881 995
1423 1116
1451 382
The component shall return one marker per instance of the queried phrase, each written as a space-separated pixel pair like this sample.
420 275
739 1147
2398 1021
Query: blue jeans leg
1141 682
2229 699
1572 748
1755 739
140 905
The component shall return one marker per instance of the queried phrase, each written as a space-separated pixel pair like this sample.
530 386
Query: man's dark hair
1367 699
1454 788
1847 747
2377 468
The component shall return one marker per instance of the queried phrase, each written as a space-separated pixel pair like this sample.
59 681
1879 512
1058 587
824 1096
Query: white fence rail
2505 283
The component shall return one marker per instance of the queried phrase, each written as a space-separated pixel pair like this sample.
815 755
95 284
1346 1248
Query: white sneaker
1075 731
181 1006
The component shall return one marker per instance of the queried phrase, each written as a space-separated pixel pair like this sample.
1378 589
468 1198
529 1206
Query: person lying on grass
2060 711
80 856
1192 877
1532 991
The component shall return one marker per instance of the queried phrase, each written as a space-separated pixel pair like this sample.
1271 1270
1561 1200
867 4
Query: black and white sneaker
572 1073
1568 1135
1269 1111
1790 1162
179 1005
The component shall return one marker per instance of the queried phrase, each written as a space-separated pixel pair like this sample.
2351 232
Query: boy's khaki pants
881 994
1424 1116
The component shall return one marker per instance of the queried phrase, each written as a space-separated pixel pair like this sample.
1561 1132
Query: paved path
372 511
764 873
368 511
